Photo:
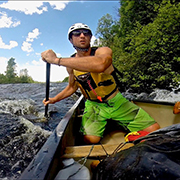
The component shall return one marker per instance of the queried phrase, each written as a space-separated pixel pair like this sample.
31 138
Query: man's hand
50 57
50 101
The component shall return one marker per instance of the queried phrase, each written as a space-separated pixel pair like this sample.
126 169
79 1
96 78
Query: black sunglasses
78 32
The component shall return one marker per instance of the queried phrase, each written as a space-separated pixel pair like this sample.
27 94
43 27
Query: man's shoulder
104 49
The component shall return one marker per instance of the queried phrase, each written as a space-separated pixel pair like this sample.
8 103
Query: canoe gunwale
152 102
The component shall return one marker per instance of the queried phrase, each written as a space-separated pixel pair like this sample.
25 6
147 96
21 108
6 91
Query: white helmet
78 26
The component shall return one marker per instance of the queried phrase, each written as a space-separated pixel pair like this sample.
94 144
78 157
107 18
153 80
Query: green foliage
24 77
10 69
66 79
106 30
11 76
146 45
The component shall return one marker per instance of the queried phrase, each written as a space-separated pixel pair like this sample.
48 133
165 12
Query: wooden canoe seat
97 150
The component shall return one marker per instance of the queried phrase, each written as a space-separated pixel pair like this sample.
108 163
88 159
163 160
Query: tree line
145 40
11 75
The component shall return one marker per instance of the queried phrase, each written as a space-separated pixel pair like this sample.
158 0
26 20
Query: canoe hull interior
66 141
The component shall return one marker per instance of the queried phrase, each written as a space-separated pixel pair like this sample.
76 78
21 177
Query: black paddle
47 87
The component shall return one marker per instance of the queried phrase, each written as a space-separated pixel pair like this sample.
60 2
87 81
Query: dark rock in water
156 95
129 95
152 95
177 90
143 96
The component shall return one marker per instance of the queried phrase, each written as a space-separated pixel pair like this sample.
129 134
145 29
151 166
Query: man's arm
69 90
97 63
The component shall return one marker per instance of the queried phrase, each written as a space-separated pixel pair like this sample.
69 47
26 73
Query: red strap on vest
98 97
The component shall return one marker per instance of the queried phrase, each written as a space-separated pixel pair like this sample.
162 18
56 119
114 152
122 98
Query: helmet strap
81 49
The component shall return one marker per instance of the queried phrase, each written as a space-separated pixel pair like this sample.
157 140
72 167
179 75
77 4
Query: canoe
66 142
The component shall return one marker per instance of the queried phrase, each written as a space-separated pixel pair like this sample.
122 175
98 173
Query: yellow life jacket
94 85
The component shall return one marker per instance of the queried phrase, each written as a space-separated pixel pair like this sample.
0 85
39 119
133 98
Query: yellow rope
131 133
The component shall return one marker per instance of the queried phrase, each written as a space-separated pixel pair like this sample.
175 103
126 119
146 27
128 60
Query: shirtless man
91 70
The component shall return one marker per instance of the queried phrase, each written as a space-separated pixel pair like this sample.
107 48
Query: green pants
119 109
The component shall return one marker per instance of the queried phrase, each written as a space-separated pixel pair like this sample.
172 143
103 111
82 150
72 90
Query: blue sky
28 28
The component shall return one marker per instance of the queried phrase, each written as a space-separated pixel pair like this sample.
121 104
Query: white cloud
38 54
58 5
33 35
58 73
11 45
27 46
93 39
31 7
27 7
37 63
37 70
7 22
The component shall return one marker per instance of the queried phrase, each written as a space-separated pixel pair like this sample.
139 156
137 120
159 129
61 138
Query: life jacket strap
98 97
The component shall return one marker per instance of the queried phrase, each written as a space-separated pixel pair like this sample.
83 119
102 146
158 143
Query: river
24 129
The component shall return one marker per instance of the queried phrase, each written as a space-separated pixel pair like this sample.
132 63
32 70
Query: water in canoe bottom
157 156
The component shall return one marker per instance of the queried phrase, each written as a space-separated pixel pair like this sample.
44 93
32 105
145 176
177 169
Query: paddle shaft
47 86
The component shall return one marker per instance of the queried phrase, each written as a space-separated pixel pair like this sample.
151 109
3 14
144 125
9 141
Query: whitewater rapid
23 127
